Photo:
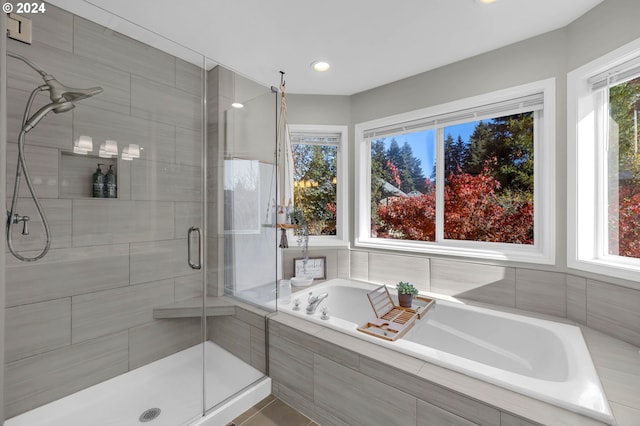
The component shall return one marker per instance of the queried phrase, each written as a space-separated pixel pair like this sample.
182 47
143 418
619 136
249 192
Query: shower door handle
191 264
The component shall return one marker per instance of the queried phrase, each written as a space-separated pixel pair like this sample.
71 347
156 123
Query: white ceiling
368 42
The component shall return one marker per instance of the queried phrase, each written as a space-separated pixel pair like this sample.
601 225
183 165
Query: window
604 164
319 180
470 178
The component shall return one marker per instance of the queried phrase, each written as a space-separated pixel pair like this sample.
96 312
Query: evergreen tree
456 154
477 156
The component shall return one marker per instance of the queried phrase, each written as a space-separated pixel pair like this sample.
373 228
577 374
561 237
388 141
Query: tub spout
314 302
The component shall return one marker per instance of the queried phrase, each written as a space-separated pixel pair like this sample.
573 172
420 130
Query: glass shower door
110 320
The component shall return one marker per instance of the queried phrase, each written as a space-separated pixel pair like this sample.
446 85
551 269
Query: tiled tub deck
342 380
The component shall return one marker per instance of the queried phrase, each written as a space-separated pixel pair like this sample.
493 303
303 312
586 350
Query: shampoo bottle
110 184
98 183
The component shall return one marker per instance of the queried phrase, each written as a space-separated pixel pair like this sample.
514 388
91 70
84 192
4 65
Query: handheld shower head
56 107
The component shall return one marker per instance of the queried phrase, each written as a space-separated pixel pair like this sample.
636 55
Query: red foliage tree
624 232
473 211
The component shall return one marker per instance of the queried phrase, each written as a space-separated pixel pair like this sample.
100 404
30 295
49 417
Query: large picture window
466 178
604 164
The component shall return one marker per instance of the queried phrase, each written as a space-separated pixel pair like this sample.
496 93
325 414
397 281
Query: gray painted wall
83 314
601 302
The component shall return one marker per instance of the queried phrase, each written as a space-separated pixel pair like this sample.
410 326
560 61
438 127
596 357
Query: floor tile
272 412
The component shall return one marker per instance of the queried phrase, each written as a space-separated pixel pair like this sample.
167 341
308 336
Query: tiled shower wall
603 306
83 314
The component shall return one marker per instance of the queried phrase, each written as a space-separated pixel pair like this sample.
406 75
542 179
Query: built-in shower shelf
76 172
190 308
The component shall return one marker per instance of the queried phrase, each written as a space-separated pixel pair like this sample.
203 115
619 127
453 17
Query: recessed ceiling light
237 105
320 66
486 1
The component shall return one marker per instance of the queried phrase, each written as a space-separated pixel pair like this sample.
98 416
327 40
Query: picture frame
316 267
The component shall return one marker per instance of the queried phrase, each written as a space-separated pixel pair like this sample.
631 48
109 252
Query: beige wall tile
340 390
99 221
258 349
164 104
58 213
431 415
291 365
67 272
614 310
189 77
165 182
541 291
359 265
157 140
189 147
153 261
104 45
187 214
507 419
389 269
188 287
39 379
104 312
154 340
485 283
577 299
38 327
232 334
306 406
52 132
43 169
343 264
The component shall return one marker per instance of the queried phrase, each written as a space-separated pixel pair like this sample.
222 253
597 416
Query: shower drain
149 415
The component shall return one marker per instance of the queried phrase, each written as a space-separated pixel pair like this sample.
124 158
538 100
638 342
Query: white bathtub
538 358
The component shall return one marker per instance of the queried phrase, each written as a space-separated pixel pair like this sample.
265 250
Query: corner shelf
192 308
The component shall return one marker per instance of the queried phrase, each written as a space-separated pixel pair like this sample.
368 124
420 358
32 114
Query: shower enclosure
125 311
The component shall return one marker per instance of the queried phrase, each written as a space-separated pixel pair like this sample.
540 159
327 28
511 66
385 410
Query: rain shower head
63 98
61 93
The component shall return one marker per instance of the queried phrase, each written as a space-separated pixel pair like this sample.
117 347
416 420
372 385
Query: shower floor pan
172 384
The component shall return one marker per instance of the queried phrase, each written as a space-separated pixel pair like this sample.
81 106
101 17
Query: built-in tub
542 359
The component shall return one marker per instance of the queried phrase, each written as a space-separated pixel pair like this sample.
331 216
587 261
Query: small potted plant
406 291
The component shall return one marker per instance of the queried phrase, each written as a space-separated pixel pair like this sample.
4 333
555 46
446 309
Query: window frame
342 215
586 168
543 249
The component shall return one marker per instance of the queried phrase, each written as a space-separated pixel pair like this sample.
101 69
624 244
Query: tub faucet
314 302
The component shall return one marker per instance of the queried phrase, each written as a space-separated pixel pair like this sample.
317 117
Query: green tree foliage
623 104
456 156
624 215
507 142
317 165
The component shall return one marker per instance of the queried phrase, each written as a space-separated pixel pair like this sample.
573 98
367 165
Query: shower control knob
25 222
25 225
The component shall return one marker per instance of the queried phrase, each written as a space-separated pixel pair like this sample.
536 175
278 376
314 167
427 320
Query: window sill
621 269
321 243
491 251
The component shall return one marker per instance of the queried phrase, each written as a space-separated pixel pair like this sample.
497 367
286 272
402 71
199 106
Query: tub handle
193 265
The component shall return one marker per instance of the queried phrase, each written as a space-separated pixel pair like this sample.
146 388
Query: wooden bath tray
392 321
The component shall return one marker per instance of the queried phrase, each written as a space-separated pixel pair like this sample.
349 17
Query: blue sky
423 143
